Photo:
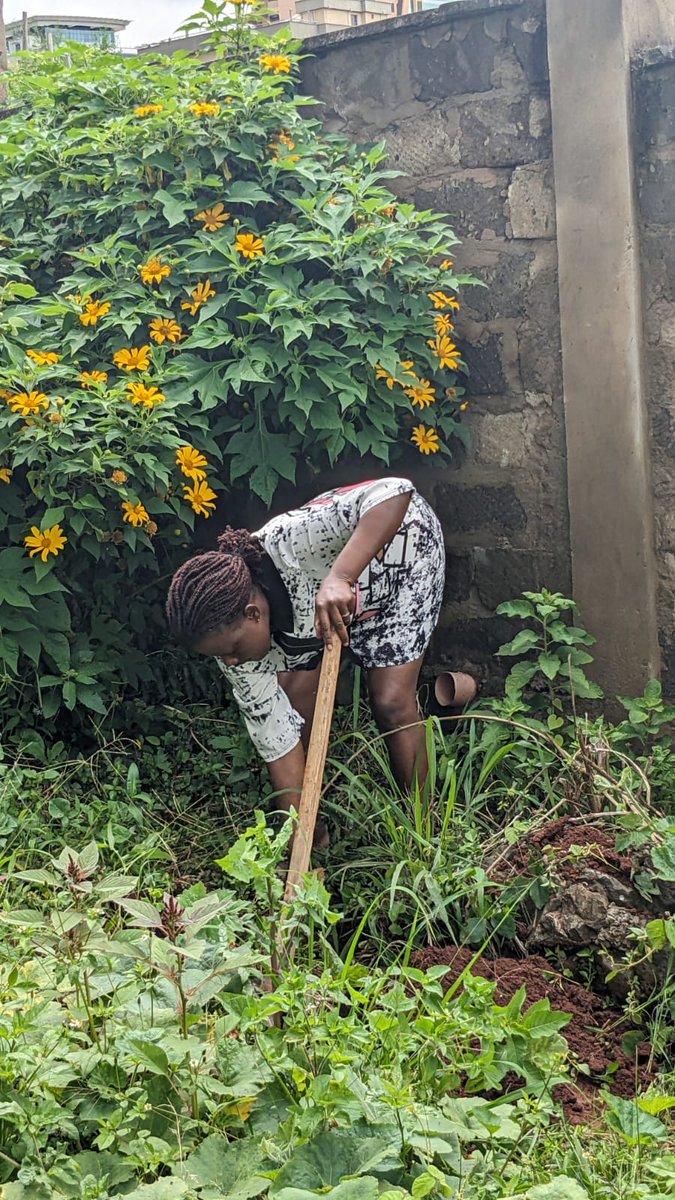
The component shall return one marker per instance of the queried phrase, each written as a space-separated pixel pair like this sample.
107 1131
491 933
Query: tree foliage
198 292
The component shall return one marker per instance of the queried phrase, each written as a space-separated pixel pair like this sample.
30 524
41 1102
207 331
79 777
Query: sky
150 20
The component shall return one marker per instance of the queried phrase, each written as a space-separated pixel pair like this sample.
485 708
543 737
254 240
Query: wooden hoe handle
314 768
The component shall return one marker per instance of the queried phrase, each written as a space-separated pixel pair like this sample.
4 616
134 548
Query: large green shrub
198 292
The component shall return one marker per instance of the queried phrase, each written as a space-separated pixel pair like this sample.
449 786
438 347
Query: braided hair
212 590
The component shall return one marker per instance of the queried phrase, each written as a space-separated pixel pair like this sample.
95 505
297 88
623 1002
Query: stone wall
461 98
654 93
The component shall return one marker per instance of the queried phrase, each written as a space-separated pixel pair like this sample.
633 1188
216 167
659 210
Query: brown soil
594 1033
557 840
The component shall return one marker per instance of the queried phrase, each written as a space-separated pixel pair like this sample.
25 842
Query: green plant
552 653
140 1044
209 291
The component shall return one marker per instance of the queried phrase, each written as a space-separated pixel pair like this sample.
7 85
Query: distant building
49 32
303 19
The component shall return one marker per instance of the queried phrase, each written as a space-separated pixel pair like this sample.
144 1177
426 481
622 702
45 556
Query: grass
400 874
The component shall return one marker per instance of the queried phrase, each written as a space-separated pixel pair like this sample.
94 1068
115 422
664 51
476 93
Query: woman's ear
252 612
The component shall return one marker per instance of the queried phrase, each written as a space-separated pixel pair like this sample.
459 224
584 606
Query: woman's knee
393 707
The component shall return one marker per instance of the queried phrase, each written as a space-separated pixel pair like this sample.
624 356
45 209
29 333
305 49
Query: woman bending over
365 563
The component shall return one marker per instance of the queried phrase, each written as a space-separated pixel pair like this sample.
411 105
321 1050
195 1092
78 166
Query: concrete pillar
610 498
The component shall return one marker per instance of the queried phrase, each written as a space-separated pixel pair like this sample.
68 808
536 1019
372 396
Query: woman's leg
393 698
301 688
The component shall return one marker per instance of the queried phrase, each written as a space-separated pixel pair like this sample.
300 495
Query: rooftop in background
43 29
304 19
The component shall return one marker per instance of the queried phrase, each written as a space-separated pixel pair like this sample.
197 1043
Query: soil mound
594 1034
576 848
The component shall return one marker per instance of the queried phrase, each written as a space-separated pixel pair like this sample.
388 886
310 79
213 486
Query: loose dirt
574 847
594 1034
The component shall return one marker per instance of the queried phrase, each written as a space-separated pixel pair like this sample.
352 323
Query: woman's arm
286 775
335 599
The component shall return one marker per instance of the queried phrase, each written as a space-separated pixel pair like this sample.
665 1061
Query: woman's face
247 639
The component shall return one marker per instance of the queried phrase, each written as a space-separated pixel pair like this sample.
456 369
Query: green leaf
365 1188
526 640
218 1167
515 608
519 676
245 192
549 664
559 1188
329 1158
149 1055
663 858
635 1125
656 1104
173 207
168 1188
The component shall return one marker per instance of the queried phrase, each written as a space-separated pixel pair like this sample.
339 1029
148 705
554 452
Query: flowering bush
200 292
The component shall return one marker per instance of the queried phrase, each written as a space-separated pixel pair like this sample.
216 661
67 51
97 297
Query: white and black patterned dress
398 597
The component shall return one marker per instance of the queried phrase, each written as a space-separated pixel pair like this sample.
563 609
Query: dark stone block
484 361
655 107
657 192
462 62
503 574
663 432
466 509
507 278
668 673
530 47
458 578
495 132
658 249
471 203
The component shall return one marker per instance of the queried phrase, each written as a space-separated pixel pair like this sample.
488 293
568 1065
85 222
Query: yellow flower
45 542
135 514
388 211
200 497
151 528
248 245
443 324
203 108
144 110
93 311
164 329
191 462
425 438
118 478
43 358
446 351
279 64
135 359
5 474
422 393
154 270
441 300
408 364
214 218
28 403
55 418
148 396
202 293
89 378
380 373
5 394
281 139
463 407
446 264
